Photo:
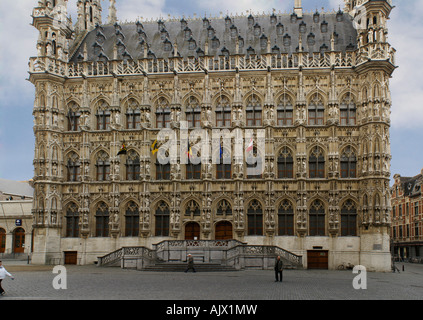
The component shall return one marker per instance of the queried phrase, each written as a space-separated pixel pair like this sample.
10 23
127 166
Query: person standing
3 274
190 263
278 269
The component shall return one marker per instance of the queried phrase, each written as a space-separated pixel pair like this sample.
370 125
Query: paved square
106 283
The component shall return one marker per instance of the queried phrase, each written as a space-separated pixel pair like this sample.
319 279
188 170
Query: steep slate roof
283 31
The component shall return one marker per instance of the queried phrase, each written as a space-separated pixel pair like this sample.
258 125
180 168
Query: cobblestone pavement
91 282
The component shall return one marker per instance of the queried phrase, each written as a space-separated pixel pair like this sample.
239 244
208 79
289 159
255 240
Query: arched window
162 113
192 209
285 219
254 111
193 112
224 168
223 112
193 170
74 167
254 163
72 221
132 166
255 219
348 111
133 115
162 171
132 220
102 220
223 208
103 166
285 164
73 116
162 216
103 115
316 163
316 110
348 219
317 219
348 163
285 111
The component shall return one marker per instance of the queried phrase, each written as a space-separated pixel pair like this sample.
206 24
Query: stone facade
313 89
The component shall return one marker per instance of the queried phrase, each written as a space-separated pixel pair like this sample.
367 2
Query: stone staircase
209 255
180 267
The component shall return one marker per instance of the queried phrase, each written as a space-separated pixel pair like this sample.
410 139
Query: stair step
183 267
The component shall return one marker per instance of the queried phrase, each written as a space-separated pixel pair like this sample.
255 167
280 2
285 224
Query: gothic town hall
146 132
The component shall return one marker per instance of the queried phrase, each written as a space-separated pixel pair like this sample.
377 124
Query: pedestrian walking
278 269
3 274
190 263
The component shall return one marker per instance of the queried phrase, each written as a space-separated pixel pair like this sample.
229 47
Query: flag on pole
250 146
122 150
189 151
154 147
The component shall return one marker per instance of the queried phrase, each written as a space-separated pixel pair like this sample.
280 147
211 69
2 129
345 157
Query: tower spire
112 18
298 8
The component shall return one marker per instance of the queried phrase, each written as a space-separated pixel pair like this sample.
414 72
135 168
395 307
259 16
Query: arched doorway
19 240
223 230
2 240
192 231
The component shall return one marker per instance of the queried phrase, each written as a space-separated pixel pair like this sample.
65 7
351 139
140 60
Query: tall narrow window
316 111
162 114
103 116
162 216
72 221
103 166
102 220
133 115
223 113
348 163
132 166
193 171
316 163
224 168
285 111
74 167
132 220
193 113
317 219
285 164
348 111
254 164
73 116
348 219
162 171
285 219
254 111
255 218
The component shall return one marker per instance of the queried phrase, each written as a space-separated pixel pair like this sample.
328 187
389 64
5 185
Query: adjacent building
407 217
304 97
15 218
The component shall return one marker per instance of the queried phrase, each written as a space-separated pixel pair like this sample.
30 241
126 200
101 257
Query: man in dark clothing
278 269
190 263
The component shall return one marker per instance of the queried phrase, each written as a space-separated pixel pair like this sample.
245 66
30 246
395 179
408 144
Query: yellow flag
154 147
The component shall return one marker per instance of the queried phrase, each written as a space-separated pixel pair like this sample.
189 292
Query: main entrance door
192 231
223 230
19 241
317 259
